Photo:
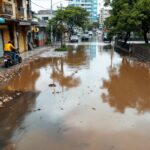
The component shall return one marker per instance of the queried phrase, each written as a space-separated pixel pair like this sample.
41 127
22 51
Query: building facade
45 15
15 23
90 5
103 14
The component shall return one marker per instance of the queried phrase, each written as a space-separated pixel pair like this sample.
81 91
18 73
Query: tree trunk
127 37
70 32
145 37
61 39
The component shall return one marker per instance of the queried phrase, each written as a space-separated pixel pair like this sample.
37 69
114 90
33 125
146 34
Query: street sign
2 20
23 23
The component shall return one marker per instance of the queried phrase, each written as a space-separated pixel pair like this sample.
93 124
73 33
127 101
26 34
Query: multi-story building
15 23
45 15
90 5
103 14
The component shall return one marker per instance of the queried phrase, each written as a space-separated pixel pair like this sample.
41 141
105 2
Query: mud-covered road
90 99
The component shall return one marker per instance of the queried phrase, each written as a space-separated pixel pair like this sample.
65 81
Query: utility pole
51 24
61 26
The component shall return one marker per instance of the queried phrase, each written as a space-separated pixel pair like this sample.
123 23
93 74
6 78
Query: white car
85 37
74 38
90 33
78 34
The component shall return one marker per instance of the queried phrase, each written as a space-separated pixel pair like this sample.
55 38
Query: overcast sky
45 4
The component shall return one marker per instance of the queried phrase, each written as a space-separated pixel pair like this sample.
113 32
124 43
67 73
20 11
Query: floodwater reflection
68 103
58 74
128 87
28 76
76 56
11 116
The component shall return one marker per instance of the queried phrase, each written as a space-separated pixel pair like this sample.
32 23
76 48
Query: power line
38 5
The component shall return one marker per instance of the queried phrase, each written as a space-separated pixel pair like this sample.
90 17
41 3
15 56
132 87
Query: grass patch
61 49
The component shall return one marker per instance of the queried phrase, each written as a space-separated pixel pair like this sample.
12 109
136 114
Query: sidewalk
35 51
28 54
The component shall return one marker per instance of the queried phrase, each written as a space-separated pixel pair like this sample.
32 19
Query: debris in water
58 92
22 128
7 99
52 85
18 94
36 110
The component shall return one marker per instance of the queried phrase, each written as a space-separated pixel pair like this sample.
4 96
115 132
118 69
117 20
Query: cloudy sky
45 4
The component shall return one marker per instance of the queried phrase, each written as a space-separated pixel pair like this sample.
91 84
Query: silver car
74 38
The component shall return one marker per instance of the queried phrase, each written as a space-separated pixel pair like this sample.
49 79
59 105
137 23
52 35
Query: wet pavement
29 54
91 99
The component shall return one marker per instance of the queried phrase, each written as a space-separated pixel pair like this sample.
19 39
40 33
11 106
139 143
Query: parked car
105 37
74 38
90 33
78 34
85 37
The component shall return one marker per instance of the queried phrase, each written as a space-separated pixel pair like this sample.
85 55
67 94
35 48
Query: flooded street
91 99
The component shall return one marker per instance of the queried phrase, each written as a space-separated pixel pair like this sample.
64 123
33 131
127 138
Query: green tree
129 16
57 24
67 18
75 17
122 20
142 14
106 2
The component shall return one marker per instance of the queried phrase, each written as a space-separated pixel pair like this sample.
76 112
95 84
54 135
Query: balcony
20 13
6 10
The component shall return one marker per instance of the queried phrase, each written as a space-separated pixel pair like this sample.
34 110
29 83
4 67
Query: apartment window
45 18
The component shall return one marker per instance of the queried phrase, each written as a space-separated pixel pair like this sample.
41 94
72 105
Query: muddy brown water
92 99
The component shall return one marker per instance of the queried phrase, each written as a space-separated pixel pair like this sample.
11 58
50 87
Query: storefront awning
2 20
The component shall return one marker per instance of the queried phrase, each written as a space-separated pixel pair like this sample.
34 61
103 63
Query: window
45 18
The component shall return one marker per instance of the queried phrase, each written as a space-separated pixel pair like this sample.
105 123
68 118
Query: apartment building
15 23
104 13
90 5
45 15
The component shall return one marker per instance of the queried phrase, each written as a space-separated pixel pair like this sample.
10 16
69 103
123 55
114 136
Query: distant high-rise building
104 13
90 5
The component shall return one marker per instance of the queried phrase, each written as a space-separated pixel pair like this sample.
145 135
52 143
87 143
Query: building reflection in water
91 51
128 87
76 56
58 74
28 76
22 88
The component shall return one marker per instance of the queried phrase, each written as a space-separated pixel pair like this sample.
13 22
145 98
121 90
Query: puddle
90 99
